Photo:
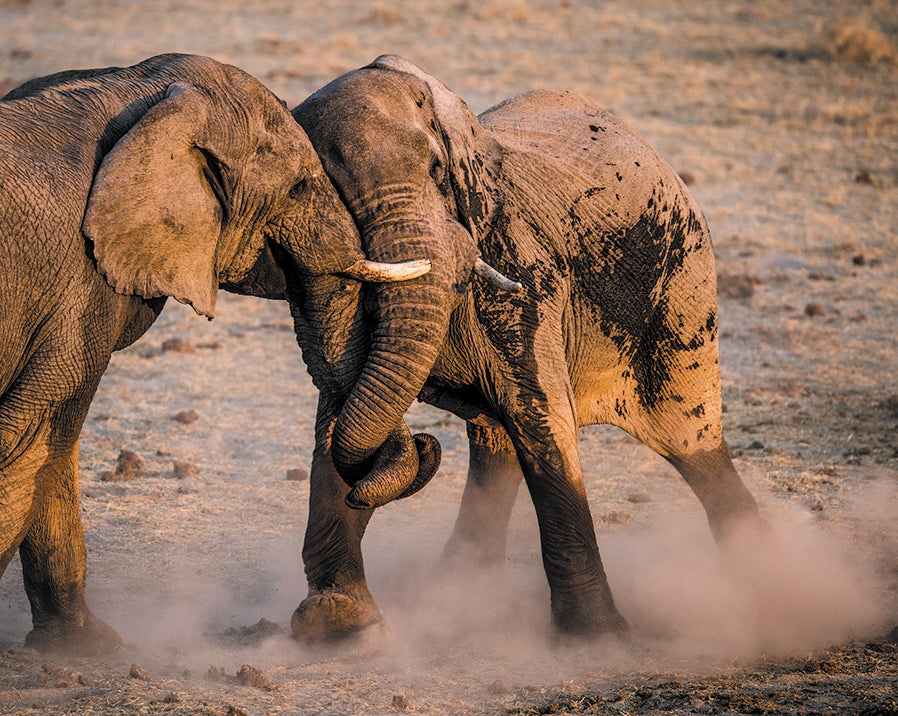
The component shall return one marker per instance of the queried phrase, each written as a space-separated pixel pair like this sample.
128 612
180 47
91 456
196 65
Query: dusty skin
783 117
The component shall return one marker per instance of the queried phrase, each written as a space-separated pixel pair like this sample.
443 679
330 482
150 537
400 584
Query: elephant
120 187
608 315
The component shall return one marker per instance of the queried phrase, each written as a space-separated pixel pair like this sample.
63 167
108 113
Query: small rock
249 635
217 673
756 445
617 517
819 276
185 417
859 260
862 176
129 467
185 469
251 676
173 698
236 711
814 309
638 498
138 672
400 702
298 474
177 345
63 677
736 286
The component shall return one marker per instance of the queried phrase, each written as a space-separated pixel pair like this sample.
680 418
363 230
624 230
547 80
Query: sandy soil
783 116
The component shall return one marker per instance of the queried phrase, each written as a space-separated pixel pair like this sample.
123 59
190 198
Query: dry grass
860 44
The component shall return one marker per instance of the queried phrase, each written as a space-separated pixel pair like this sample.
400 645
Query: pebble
185 417
814 309
129 467
298 474
185 469
138 672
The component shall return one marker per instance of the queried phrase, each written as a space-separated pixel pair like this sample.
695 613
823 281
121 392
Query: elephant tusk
378 272
490 275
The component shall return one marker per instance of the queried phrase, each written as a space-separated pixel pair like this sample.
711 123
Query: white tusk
490 275
378 272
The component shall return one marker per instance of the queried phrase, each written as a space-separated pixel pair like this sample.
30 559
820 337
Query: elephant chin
402 466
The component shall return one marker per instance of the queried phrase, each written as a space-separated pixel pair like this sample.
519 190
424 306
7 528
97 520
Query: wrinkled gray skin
120 187
616 323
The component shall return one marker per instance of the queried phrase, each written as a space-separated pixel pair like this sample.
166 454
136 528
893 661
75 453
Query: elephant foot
576 619
332 617
89 639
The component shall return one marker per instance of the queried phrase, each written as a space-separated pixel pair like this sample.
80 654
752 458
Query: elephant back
588 140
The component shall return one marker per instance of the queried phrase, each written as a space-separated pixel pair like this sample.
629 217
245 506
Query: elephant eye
437 171
299 188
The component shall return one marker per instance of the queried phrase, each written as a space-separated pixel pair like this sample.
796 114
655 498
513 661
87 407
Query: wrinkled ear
152 214
474 156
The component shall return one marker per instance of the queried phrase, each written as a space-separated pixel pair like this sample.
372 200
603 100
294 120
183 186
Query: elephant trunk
409 328
371 445
403 465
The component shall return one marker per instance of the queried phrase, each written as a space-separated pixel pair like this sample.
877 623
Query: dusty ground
783 116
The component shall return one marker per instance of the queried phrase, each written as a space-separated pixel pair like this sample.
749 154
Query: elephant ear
474 155
152 214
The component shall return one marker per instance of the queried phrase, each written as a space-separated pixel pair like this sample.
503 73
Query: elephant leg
714 480
494 475
54 566
40 517
688 433
545 434
339 602
23 450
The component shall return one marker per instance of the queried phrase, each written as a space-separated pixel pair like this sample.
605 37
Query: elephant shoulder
564 125
529 106
541 118
589 149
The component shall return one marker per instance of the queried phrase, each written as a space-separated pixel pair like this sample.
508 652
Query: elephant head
216 185
417 172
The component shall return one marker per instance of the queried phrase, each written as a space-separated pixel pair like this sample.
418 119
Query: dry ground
783 116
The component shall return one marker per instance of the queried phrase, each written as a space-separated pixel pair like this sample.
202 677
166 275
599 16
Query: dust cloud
802 585
691 606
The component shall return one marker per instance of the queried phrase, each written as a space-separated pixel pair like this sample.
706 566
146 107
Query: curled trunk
401 457
371 445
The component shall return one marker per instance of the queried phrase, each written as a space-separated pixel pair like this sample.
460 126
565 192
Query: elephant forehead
384 89
363 108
